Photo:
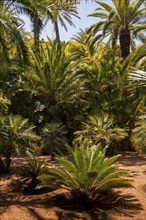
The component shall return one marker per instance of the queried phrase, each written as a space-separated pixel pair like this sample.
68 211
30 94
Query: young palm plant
101 129
16 135
54 135
29 173
88 173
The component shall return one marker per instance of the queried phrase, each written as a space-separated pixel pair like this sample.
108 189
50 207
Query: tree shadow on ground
132 159
68 207
126 205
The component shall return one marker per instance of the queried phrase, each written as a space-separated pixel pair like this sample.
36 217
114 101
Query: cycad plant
16 135
88 173
29 173
57 83
56 78
101 129
54 135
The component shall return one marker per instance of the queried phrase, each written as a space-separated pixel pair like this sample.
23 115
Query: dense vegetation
88 92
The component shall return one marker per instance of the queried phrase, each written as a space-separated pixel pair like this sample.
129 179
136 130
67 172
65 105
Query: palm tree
54 136
57 79
11 33
58 84
88 173
15 135
62 11
101 128
40 11
124 20
32 9
29 174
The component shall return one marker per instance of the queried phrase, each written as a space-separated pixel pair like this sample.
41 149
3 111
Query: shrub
16 135
54 136
88 173
29 174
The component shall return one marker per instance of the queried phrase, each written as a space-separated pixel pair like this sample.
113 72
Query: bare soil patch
59 205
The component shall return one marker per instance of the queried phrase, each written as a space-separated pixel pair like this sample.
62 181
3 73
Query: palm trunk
125 42
33 183
36 31
2 166
8 160
57 32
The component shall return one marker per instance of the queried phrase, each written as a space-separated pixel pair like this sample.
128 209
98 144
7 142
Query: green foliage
11 34
16 135
4 102
118 25
57 83
138 135
88 172
54 135
29 174
101 129
56 78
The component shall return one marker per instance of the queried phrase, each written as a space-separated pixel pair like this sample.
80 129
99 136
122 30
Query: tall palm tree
124 20
40 11
62 10
32 9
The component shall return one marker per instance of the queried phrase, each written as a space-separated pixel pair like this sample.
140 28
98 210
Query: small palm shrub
29 173
138 135
54 135
16 135
88 173
102 129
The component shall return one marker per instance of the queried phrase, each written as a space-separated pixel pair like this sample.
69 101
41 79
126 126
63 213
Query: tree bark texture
57 32
125 42
36 31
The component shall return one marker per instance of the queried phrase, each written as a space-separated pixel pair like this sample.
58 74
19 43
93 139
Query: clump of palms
101 129
16 135
88 173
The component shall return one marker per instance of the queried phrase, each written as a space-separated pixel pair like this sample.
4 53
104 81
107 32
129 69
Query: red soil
17 206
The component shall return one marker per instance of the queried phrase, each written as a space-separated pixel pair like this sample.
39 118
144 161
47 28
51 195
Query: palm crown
88 173
11 33
125 19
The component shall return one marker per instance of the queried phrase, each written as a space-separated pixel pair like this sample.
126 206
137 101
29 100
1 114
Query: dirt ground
17 206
